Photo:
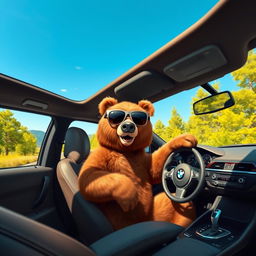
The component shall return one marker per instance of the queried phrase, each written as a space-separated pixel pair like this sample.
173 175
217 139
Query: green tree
27 144
160 130
176 125
245 102
10 131
246 76
93 141
201 127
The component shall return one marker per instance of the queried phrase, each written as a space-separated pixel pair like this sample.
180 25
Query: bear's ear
106 103
148 106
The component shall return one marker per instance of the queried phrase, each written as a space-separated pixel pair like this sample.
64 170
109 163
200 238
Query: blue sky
74 48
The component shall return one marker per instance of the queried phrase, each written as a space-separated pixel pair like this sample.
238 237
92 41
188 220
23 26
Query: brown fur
119 178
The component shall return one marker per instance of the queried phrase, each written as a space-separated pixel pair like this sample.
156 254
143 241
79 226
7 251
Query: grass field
13 160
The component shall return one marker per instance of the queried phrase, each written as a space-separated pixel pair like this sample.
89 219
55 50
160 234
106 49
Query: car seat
91 223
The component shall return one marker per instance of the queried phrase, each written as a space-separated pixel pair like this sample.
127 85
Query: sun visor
143 86
195 64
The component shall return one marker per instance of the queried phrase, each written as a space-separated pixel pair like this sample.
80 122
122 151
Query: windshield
235 125
74 48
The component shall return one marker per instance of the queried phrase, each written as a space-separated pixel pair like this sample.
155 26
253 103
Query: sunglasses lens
116 116
139 117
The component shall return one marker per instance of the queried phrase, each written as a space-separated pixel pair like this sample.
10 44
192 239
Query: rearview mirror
213 103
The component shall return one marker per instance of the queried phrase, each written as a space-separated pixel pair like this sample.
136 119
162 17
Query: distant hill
39 136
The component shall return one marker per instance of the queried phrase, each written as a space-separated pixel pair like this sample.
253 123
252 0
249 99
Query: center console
226 228
219 235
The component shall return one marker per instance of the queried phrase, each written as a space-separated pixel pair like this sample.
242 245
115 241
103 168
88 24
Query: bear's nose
128 127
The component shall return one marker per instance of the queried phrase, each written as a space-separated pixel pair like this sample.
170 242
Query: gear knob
215 219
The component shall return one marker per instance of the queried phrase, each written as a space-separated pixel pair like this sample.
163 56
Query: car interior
42 211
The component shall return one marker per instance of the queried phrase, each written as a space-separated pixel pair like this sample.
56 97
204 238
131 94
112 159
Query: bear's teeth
127 137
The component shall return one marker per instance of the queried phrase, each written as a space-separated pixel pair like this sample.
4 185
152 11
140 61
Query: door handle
43 193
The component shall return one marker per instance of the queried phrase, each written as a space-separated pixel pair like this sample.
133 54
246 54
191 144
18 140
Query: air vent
247 167
217 165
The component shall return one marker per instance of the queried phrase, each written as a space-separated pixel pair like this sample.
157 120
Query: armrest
137 239
22 236
188 246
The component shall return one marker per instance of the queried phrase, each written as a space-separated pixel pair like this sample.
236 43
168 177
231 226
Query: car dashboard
228 170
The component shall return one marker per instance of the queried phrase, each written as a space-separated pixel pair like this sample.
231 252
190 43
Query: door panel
21 188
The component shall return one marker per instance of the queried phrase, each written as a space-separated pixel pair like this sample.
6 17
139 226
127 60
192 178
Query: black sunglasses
116 117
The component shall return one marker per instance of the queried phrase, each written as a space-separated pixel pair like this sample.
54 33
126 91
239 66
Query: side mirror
213 103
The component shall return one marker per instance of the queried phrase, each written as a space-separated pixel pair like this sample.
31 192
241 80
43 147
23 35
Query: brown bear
118 175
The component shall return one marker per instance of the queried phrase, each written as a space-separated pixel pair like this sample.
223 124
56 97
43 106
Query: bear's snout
128 127
127 131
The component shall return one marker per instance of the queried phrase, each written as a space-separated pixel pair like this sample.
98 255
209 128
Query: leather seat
20 235
90 221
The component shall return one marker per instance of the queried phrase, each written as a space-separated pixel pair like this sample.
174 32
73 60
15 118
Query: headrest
77 144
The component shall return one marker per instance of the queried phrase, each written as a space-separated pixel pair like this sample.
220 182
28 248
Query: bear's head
125 126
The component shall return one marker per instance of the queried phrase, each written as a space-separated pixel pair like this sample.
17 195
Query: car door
28 184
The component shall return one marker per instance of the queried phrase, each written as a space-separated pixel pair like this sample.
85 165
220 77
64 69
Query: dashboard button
187 234
214 176
241 180
215 183
222 183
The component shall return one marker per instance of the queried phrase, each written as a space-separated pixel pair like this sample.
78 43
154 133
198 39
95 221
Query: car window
234 125
21 136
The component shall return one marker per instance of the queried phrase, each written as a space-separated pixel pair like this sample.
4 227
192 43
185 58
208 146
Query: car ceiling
230 25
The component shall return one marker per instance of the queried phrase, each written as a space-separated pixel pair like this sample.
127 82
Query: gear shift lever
215 219
213 231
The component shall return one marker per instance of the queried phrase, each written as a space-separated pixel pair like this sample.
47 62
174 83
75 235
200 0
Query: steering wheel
182 176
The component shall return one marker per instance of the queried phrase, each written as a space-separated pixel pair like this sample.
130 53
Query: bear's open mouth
126 140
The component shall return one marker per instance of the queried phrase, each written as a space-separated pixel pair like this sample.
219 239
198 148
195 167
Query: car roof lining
234 36
143 85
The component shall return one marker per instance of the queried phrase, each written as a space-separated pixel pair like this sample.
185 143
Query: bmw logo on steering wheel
180 174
